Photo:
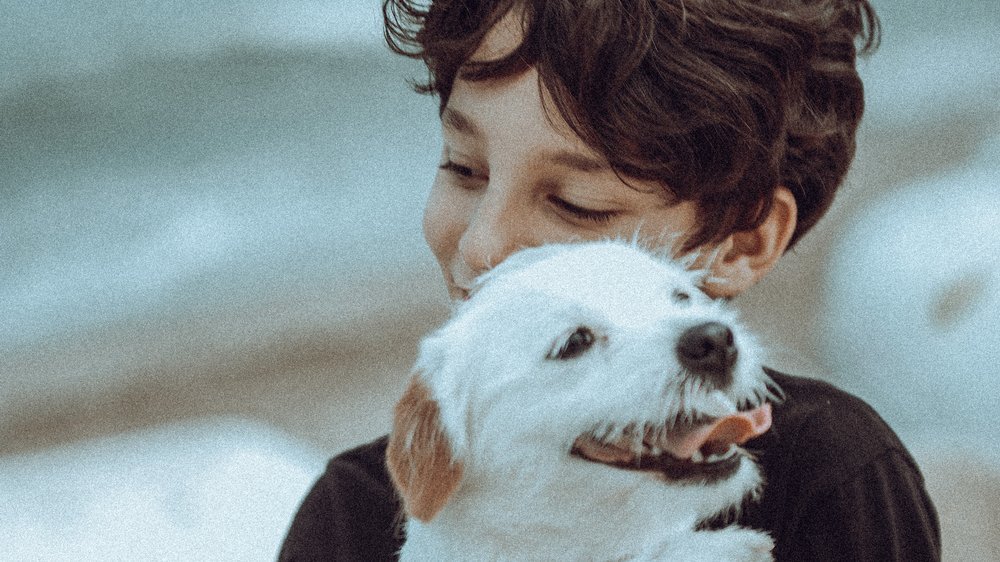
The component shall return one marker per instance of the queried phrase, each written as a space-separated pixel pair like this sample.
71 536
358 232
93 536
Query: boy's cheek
442 224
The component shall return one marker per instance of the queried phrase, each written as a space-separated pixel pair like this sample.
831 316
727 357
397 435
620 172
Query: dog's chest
546 527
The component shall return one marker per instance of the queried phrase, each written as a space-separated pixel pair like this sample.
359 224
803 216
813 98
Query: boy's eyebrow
576 161
458 122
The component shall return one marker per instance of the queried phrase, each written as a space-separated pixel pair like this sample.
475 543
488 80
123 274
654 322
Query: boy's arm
881 513
351 513
839 484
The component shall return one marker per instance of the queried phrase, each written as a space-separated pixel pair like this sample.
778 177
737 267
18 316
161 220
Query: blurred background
214 278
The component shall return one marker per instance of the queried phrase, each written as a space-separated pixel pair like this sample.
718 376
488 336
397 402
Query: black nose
708 350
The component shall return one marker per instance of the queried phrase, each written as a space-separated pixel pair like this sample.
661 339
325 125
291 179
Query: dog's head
582 357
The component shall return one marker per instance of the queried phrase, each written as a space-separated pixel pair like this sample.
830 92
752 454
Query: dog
587 402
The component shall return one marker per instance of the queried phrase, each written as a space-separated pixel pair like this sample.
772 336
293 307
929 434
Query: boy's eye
582 213
457 169
464 177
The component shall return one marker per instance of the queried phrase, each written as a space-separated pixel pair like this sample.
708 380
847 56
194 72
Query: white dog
587 403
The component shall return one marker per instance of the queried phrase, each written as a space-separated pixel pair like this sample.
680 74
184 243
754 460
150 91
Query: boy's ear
746 257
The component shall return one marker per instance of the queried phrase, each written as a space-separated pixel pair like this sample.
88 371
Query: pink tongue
737 428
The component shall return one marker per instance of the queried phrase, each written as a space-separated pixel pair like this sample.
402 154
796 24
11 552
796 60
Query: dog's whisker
771 390
636 235
693 387
610 433
688 260
638 440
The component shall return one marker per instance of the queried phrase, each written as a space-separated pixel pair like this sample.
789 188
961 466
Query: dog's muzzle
706 450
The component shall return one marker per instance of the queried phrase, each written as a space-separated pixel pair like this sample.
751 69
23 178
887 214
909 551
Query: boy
721 127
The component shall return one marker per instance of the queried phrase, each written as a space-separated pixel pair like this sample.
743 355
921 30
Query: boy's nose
494 231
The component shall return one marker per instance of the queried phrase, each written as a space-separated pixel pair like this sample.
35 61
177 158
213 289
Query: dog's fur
482 447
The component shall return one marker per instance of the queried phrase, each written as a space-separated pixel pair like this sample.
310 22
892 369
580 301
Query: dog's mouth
705 451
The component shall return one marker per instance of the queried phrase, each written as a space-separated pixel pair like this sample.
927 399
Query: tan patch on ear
419 457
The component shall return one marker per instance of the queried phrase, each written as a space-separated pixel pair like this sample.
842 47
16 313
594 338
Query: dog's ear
419 456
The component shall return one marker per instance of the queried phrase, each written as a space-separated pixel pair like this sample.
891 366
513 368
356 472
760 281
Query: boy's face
510 179
514 175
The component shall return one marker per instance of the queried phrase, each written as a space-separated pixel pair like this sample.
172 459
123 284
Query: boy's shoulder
368 458
359 475
829 432
839 483
351 513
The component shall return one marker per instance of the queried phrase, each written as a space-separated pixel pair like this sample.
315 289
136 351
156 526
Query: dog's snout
708 350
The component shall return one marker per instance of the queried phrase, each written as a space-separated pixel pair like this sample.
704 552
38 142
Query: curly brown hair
718 101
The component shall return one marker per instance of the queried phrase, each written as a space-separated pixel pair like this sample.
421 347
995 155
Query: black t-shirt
839 485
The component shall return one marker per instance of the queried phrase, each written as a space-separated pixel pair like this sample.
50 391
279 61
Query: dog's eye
680 297
575 345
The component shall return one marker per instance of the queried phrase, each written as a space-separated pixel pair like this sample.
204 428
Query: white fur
511 414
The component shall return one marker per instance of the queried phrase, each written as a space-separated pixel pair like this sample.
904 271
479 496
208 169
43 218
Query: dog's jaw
687 453
573 510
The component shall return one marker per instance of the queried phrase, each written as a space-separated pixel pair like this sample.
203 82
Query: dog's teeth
717 457
730 452
699 457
